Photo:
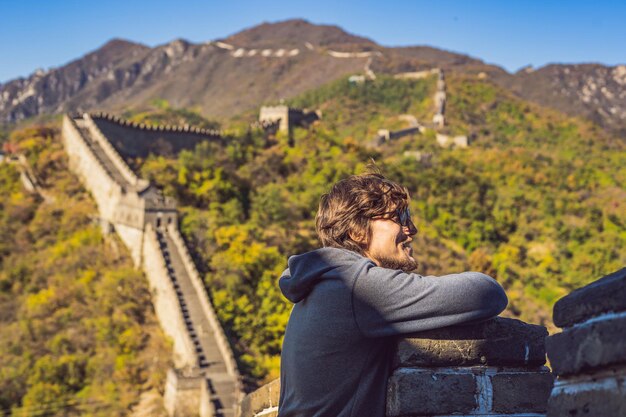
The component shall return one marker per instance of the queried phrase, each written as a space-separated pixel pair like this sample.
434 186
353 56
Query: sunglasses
401 217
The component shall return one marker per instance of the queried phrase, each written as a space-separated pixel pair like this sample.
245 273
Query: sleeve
386 302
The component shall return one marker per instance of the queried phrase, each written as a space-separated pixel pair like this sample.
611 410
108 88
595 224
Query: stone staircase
97 150
211 363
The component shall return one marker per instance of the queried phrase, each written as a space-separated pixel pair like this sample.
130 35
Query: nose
411 229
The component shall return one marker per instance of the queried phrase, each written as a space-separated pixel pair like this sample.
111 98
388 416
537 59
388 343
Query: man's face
390 243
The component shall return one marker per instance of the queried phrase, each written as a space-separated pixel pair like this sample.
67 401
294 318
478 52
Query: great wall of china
438 120
205 380
279 113
242 52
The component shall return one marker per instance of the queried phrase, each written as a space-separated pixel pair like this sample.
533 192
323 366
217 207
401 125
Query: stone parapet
589 355
262 402
211 133
90 169
599 394
139 140
591 345
498 342
186 394
491 368
404 132
605 295
494 368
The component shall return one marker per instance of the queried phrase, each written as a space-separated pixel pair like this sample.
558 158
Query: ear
359 238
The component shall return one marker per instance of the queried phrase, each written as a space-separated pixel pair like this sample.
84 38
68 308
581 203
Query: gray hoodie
339 340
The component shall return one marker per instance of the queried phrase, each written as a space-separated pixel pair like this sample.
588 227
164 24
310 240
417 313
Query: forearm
391 302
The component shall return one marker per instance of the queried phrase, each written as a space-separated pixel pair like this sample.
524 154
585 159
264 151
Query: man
357 292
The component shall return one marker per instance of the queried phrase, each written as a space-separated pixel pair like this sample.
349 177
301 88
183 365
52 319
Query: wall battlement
589 355
492 368
209 133
205 380
138 140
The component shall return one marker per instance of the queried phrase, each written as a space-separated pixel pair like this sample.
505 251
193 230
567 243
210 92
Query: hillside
281 60
77 332
537 200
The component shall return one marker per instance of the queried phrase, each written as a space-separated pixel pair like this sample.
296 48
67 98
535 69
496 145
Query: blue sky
43 34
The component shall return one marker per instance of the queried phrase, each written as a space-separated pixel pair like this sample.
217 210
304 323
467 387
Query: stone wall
385 135
205 380
90 170
440 102
494 368
589 355
139 140
446 141
181 397
133 239
488 369
121 205
262 402
417 75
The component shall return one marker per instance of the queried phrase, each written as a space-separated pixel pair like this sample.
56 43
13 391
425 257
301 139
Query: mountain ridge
231 75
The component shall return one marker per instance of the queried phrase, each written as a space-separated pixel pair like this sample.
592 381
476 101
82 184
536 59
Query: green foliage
77 335
359 110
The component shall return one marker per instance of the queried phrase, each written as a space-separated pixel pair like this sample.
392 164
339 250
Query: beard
406 265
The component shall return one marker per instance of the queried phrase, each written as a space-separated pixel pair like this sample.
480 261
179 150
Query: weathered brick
592 397
498 341
265 397
423 392
604 295
588 346
521 392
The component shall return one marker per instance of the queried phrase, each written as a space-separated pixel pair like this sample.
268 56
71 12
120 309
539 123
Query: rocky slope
594 91
280 60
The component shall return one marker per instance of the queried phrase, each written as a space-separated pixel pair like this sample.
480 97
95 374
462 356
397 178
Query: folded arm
387 302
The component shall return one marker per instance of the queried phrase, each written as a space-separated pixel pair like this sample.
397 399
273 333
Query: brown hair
344 214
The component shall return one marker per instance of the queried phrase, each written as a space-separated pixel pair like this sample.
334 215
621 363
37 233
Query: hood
308 269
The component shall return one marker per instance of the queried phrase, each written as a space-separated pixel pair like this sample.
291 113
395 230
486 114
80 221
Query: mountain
594 91
274 61
80 83
294 33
